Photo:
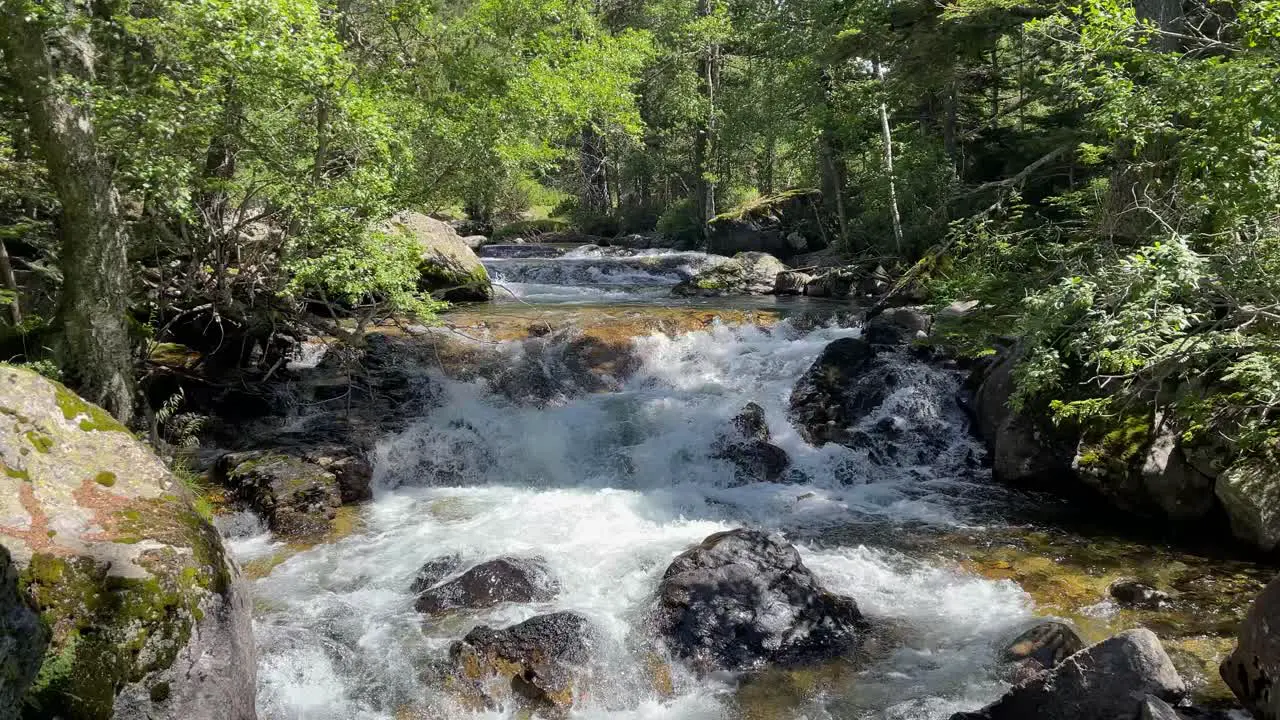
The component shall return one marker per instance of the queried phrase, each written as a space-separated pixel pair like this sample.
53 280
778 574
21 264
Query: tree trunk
595 172
888 168
53 69
831 159
10 284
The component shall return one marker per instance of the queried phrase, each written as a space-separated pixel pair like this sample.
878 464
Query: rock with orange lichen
143 611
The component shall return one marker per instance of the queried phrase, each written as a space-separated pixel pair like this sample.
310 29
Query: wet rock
835 283
450 269
1249 492
1136 594
743 599
747 273
1252 669
898 326
1109 680
504 580
1153 708
351 468
1040 648
1177 488
23 639
298 499
532 664
747 445
433 571
147 617
791 282
1025 450
818 405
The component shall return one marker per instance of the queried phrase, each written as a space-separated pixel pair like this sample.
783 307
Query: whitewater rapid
608 488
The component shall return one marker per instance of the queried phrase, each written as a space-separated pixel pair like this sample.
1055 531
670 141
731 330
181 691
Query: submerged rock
819 402
1134 593
1108 681
1253 668
450 268
506 579
298 499
747 445
533 664
743 599
1041 648
433 571
146 616
747 273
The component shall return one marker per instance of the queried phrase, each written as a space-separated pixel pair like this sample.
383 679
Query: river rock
781 224
1173 483
1252 669
1042 647
1137 594
23 639
1153 708
533 664
898 326
743 598
834 283
504 580
450 269
747 445
1108 681
298 499
351 468
790 282
146 615
747 273
819 401
433 571
1249 492
1025 450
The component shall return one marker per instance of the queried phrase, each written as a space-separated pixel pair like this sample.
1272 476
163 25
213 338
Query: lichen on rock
132 586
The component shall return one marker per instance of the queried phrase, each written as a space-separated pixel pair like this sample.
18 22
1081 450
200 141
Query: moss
41 442
106 478
93 418
14 473
160 692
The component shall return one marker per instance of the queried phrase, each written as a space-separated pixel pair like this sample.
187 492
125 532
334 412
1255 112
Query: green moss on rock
106 478
93 418
41 442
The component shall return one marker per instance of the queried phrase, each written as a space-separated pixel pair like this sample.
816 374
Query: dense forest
1103 177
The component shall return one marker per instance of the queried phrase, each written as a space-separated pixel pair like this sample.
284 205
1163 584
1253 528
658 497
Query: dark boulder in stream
747 273
1107 681
743 599
531 664
747 445
1040 648
820 407
1252 669
504 580
297 498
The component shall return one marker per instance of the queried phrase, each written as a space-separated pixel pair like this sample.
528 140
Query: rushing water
608 488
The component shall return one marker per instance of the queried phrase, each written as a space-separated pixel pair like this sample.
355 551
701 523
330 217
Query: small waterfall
541 273
608 487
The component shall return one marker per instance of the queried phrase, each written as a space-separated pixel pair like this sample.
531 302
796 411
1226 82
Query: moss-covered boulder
298 499
748 273
450 268
144 612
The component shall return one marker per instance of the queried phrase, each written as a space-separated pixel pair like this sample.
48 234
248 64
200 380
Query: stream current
609 487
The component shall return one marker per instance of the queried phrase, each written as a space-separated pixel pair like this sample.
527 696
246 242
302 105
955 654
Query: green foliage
680 223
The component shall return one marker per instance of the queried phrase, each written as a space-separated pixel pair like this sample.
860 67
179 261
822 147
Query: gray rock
747 445
297 498
433 571
23 639
898 326
791 282
835 283
504 580
743 599
747 273
1249 492
450 269
819 405
1136 594
1024 449
534 664
95 523
1180 490
1252 669
1107 681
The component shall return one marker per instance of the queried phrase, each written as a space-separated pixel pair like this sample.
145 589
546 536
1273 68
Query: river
609 485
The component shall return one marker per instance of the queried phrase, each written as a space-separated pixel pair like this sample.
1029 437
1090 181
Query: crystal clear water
608 488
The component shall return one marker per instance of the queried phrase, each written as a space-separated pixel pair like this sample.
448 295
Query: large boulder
1108 681
1025 449
533 665
450 268
1040 648
297 498
748 273
743 599
1180 490
1253 668
504 580
146 616
746 444
898 326
1249 492
791 282
784 224
23 639
819 405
